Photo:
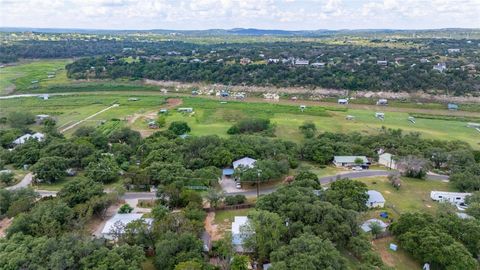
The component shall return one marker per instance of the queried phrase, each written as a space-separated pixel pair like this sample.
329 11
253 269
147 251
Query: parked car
357 168
238 185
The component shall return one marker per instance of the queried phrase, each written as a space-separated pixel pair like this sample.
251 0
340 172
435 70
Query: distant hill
473 33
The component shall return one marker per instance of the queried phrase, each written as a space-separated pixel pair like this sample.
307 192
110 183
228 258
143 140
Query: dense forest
350 63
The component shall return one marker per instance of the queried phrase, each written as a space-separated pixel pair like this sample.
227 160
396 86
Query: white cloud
201 14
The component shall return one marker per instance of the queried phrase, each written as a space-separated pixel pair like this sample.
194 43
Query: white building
239 232
342 101
349 161
440 67
375 199
188 110
386 159
301 62
22 139
245 162
118 222
451 197
366 225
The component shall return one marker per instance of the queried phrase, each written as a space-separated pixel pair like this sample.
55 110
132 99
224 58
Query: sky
227 14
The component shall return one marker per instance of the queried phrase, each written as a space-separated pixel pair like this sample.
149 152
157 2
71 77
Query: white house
301 62
451 197
349 161
119 221
366 225
245 162
375 199
440 67
239 232
386 159
382 101
22 139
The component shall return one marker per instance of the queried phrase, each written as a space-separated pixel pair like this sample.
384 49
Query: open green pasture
32 75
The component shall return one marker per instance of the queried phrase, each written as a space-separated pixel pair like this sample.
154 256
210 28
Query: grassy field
413 195
399 259
213 117
21 75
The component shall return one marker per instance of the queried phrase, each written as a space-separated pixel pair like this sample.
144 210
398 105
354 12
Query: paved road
253 192
26 181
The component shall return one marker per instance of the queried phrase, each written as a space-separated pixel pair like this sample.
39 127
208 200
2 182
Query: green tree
20 119
125 209
375 229
173 249
179 127
348 194
308 252
79 191
263 233
6 178
308 129
105 170
239 262
50 169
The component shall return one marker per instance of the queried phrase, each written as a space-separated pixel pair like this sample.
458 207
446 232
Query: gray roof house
366 225
347 161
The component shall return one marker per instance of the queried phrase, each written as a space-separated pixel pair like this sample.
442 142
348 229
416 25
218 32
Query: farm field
21 75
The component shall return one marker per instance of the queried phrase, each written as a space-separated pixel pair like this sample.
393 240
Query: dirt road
87 118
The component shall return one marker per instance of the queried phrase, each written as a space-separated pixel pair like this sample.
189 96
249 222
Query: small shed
375 199
343 101
187 110
452 106
380 115
382 101
133 99
350 117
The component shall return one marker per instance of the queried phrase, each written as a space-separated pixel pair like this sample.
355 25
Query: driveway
26 181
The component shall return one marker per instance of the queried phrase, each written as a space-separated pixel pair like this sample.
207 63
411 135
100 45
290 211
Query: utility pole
258 181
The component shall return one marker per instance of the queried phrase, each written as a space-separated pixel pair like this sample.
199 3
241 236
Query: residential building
451 197
318 64
366 225
375 199
382 101
187 110
440 67
349 161
386 159
382 62
273 60
116 224
22 139
240 232
245 162
40 118
245 61
452 106
301 62
454 50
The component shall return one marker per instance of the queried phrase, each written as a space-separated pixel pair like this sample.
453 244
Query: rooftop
349 159
366 225
123 219
375 197
245 162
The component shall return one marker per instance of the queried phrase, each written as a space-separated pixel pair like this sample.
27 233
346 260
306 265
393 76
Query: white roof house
386 159
452 197
375 199
119 221
22 139
343 161
239 232
245 162
366 225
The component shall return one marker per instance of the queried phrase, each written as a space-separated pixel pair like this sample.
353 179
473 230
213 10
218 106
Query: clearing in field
31 75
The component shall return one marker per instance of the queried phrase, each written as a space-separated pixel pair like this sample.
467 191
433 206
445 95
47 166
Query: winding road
27 180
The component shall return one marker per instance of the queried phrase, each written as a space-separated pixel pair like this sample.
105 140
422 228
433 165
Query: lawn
413 195
20 76
224 218
399 259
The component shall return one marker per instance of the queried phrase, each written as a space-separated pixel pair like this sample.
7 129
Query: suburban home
440 67
118 221
349 161
239 233
382 62
455 50
22 139
386 159
318 64
245 162
451 197
452 106
273 60
40 118
366 225
187 110
343 101
301 62
375 199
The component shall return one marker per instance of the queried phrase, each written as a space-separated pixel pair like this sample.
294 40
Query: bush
234 200
250 126
125 209
179 127
6 178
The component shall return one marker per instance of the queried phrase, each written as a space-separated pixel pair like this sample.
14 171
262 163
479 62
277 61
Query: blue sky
266 14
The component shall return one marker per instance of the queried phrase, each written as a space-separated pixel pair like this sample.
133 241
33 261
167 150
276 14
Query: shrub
125 209
234 200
